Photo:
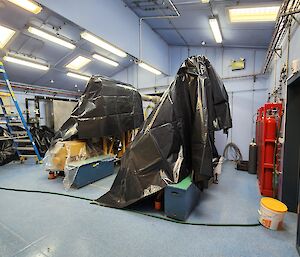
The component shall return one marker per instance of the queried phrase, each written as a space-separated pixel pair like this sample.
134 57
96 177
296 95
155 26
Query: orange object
51 175
273 204
67 151
157 205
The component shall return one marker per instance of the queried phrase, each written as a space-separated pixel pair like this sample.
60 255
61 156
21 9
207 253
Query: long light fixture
105 60
214 25
26 63
101 43
78 63
5 35
78 76
254 14
205 1
27 5
149 68
50 37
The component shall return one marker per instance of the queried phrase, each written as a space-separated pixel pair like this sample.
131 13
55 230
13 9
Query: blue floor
46 225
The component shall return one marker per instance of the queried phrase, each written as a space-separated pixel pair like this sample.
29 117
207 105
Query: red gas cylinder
270 128
270 134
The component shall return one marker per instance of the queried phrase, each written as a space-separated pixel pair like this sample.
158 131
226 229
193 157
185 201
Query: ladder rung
15 123
7 105
3 94
14 120
27 155
19 132
22 140
11 115
5 138
24 148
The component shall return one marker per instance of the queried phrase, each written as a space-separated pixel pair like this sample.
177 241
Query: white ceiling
192 27
55 55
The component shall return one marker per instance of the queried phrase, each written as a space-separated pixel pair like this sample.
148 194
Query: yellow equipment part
68 150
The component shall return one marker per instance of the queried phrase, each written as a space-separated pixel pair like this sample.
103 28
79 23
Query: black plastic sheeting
7 152
177 139
106 108
42 137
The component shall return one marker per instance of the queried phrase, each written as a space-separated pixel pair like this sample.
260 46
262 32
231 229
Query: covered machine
177 139
103 119
106 108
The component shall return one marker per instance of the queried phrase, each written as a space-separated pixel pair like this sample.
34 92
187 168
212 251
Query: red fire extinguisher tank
270 127
268 121
270 135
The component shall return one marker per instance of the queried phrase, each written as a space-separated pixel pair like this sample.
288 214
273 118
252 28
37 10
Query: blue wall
117 24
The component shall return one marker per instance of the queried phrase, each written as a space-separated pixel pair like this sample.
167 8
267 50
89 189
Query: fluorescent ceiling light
214 25
25 63
205 1
101 43
50 37
78 63
149 68
254 14
106 60
5 35
78 76
27 5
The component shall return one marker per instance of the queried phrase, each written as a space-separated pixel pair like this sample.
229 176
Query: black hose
194 223
236 151
134 211
44 192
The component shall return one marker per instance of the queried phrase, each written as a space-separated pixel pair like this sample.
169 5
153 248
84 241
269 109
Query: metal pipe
223 78
140 30
154 87
44 90
247 90
244 76
290 13
151 98
280 29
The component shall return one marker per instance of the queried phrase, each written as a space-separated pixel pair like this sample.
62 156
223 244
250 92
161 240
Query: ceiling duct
144 8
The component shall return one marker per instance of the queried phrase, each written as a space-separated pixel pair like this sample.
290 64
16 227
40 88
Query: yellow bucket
271 213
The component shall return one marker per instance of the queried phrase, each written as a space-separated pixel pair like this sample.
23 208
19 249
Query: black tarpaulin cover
7 151
176 139
106 108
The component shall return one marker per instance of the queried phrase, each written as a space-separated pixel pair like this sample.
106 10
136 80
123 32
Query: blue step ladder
23 141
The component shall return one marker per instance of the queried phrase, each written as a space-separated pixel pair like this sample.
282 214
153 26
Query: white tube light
105 60
214 25
78 63
5 35
51 38
27 5
101 43
254 14
149 68
78 76
26 63
205 1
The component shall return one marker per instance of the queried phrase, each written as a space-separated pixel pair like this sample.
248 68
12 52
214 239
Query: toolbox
90 170
180 199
